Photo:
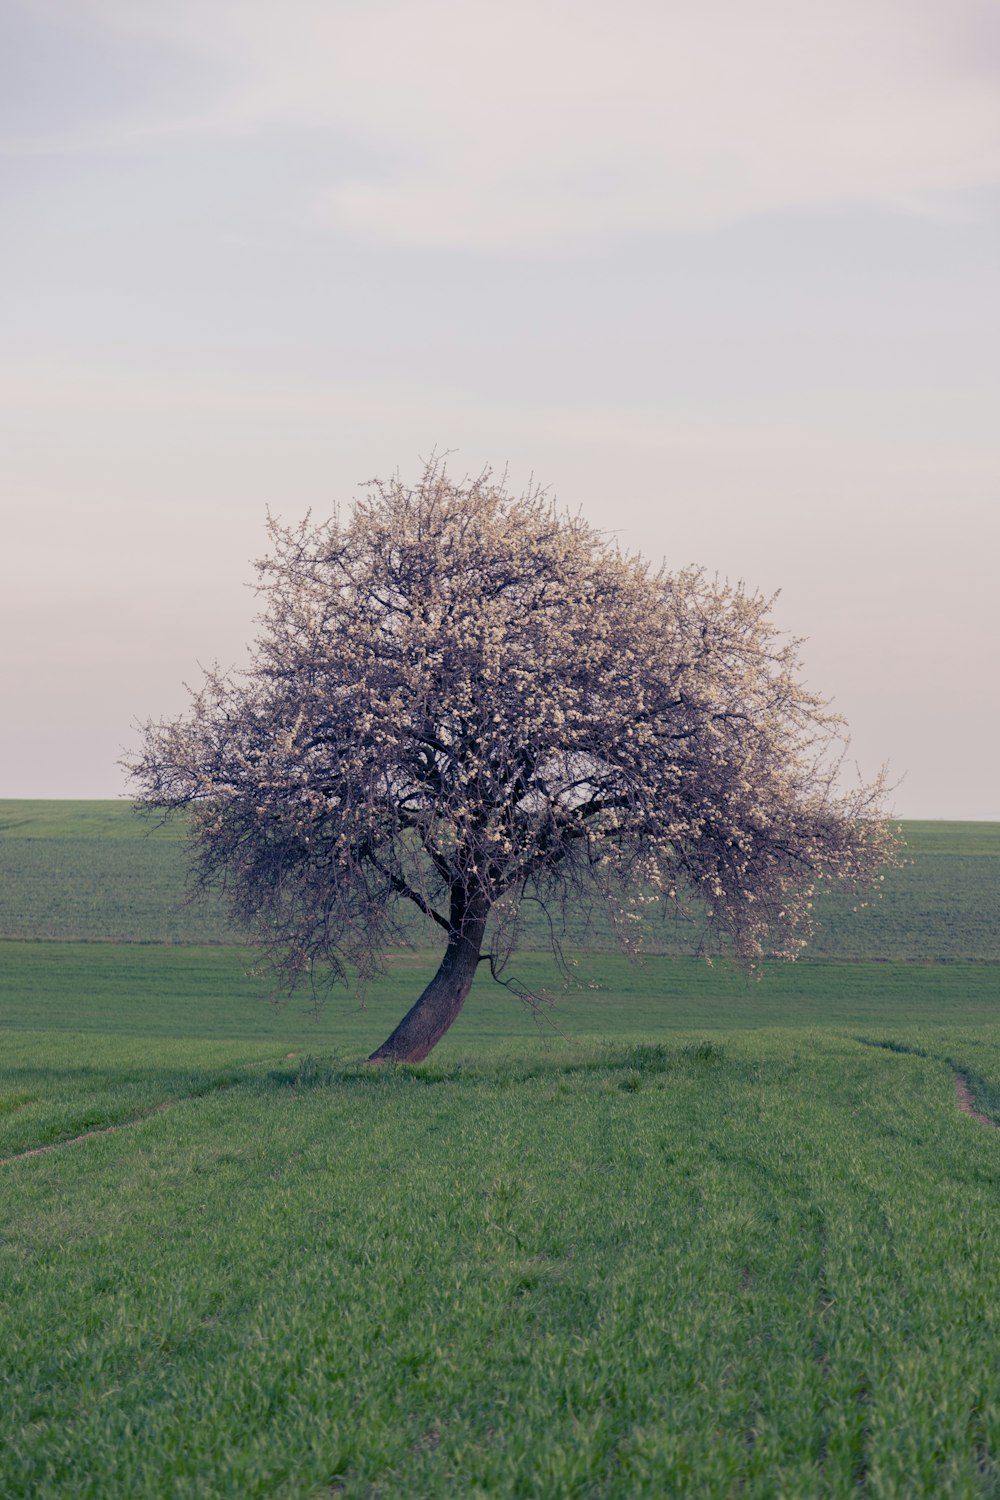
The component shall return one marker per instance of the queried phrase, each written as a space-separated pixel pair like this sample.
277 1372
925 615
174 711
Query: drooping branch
401 887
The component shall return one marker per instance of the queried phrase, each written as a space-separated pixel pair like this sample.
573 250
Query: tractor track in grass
963 1089
967 1104
87 1135
963 1094
74 1140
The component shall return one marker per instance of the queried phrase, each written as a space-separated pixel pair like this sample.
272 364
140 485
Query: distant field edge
66 818
420 956
104 817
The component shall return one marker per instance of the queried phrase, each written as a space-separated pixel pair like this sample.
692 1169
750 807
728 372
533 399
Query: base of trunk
426 1022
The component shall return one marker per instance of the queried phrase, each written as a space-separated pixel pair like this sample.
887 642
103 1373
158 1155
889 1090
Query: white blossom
461 699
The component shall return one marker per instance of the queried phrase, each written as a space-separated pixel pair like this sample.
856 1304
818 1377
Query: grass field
762 1265
85 871
683 1236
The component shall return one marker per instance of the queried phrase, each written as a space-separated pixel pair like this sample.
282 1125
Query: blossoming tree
461 699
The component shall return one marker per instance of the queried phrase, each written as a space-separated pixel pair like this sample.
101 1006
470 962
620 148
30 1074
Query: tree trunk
426 1022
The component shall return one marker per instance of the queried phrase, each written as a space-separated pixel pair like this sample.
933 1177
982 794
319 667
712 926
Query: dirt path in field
963 1092
966 1103
74 1140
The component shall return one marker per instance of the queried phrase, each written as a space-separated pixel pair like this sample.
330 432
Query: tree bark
426 1022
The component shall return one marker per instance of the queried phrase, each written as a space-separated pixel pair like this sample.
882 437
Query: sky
723 277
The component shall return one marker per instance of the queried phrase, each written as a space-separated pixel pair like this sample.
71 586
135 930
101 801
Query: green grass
145 990
54 819
761 1265
117 890
79 870
685 1235
960 839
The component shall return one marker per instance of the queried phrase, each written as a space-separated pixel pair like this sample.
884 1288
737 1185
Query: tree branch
400 886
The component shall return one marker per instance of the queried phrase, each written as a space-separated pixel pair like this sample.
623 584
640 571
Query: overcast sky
724 276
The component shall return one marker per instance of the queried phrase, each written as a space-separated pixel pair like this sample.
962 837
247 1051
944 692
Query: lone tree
462 699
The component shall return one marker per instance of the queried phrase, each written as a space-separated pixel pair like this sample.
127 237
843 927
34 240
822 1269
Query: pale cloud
543 125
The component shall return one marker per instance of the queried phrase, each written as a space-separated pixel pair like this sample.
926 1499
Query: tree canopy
461 699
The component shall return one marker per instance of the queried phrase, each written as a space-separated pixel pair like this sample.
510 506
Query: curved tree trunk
426 1022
